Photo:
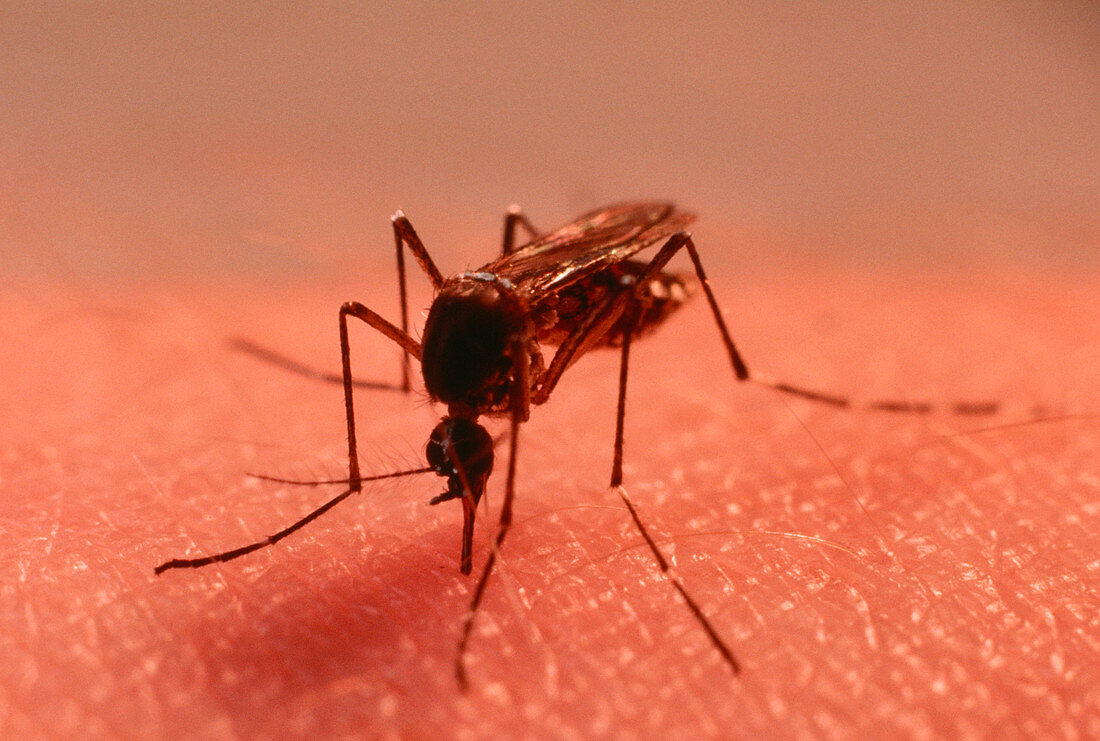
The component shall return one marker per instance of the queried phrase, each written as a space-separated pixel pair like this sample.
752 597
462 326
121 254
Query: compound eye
437 452
470 444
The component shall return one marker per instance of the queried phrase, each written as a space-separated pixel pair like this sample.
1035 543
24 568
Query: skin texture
958 600
894 201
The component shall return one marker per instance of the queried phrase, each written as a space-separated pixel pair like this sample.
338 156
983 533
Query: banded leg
617 484
515 216
520 401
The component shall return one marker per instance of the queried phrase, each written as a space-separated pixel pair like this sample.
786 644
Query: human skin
176 175
875 574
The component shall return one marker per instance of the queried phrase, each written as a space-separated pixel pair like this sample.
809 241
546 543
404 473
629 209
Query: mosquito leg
403 233
406 372
354 480
600 319
620 410
594 325
740 370
617 484
411 347
514 216
194 563
520 401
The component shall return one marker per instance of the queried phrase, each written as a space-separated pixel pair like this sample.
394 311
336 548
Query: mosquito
578 288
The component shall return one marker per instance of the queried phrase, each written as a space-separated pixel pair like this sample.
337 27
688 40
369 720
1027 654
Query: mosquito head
460 449
465 344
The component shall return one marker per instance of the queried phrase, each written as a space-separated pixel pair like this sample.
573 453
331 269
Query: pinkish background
894 200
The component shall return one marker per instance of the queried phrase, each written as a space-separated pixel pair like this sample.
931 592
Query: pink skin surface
901 575
895 200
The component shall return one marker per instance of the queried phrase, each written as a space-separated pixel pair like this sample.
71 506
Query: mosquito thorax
466 342
459 447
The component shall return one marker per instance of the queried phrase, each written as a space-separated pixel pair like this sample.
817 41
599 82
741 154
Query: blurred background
160 141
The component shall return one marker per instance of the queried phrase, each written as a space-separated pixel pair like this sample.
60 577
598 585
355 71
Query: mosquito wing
591 243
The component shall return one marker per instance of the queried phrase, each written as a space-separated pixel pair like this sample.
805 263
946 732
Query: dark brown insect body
482 326
482 354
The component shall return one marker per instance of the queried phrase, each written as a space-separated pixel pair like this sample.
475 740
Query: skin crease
894 201
976 613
